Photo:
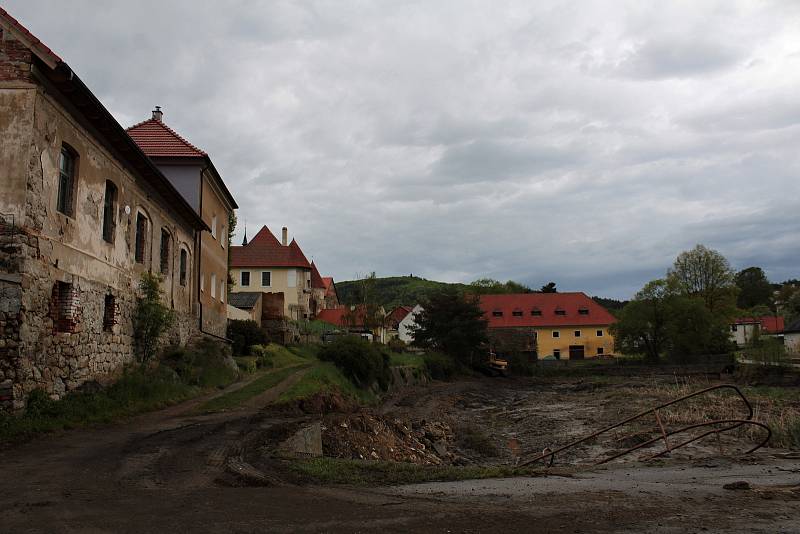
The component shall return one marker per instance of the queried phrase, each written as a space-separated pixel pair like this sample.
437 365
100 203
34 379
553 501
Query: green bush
151 318
245 334
440 366
396 345
202 365
263 355
519 365
359 360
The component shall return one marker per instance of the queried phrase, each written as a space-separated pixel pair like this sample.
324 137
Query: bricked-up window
64 307
109 313
184 261
67 164
141 237
164 251
109 208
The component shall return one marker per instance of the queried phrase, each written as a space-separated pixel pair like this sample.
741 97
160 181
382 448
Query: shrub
152 318
396 345
440 366
263 355
519 365
245 334
203 365
359 360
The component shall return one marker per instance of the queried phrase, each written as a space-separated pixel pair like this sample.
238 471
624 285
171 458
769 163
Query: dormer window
497 313
561 311
517 313
583 311
536 312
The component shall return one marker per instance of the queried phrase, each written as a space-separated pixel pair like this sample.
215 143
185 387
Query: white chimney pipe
285 236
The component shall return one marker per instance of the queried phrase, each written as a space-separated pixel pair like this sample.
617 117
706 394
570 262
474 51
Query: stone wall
507 341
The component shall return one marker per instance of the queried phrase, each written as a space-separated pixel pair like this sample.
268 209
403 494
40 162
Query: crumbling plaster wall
48 247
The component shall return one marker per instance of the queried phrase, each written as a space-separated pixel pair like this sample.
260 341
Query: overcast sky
583 143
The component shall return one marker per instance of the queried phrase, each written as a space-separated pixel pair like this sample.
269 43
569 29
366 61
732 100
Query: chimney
157 113
285 236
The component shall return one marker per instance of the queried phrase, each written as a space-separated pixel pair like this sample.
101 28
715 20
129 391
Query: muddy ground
176 470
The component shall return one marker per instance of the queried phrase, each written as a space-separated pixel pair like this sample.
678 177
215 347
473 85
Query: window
291 278
222 236
497 313
109 208
559 311
599 351
213 285
583 311
556 333
577 333
214 226
221 291
599 333
141 237
266 278
202 281
557 353
536 312
66 180
64 306
517 313
164 251
109 313
182 266
734 328
245 278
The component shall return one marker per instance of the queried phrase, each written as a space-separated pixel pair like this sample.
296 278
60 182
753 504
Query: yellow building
562 325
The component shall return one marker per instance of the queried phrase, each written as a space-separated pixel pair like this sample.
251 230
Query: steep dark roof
245 300
93 113
316 279
264 250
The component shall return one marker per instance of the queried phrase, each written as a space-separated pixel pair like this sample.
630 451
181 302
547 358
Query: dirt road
170 471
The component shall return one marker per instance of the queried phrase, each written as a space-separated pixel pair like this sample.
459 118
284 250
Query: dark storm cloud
584 143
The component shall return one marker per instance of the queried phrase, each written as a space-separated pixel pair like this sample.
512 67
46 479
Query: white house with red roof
562 325
270 266
745 329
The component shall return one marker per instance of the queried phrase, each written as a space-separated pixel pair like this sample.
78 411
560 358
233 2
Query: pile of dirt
369 436
327 402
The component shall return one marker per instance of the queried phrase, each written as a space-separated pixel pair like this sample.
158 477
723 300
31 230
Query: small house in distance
562 325
745 329
791 338
400 322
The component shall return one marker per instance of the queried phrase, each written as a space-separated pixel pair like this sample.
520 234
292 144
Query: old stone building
84 214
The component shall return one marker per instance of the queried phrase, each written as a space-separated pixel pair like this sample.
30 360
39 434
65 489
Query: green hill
394 291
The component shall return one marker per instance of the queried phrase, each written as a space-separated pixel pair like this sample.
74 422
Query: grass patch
135 392
473 439
407 359
369 473
243 394
325 377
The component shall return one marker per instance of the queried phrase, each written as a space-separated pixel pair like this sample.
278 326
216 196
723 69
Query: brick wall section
15 60
506 341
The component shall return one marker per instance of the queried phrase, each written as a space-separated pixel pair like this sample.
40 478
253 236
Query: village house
400 322
270 266
562 325
357 319
193 174
84 214
791 339
331 296
745 329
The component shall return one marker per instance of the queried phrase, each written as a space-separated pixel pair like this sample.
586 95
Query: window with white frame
556 333
214 226
266 279
213 285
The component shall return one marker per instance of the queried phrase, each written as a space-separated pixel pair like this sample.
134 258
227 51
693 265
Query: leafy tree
231 229
705 273
549 287
754 288
245 334
453 323
489 286
152 318
642 323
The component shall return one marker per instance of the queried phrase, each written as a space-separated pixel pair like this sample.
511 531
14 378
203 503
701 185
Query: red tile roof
572 304
769 324
344 317
316 279
398 314
156 139
264 250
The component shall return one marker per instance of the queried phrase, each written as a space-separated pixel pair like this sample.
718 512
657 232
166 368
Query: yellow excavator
497 366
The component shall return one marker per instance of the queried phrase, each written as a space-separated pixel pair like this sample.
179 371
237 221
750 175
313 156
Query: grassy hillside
395 291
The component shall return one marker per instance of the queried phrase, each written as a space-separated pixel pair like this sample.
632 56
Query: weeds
243 394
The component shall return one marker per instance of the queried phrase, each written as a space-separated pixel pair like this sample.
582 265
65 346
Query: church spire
244 241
